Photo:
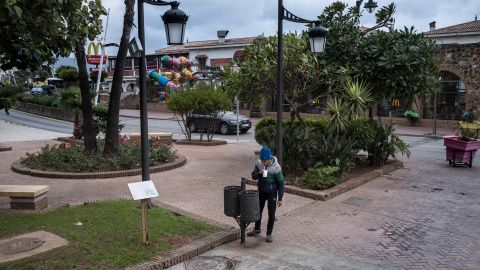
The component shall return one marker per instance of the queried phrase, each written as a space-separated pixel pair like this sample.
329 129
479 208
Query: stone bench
26 197
160 135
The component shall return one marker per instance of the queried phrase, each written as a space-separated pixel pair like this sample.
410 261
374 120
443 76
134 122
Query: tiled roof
206 43
473 26
363 28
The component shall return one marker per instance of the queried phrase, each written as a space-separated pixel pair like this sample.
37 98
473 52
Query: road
132 125
424 147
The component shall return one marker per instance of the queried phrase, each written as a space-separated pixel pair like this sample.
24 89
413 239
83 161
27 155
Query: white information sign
142 190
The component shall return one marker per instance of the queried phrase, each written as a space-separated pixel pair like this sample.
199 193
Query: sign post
142 191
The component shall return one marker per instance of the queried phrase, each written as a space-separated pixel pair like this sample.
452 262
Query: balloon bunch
175 63
180 74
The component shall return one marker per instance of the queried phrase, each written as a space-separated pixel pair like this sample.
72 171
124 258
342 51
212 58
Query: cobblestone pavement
424 216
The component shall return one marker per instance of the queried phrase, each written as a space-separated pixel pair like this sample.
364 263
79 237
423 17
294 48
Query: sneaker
253 233
269 239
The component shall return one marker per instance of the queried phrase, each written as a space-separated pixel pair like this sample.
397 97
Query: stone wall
45 111
464 61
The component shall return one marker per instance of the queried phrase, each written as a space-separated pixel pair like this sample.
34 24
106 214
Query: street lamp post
175 21
318 36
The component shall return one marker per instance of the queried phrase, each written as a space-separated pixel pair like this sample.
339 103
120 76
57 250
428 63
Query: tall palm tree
71 100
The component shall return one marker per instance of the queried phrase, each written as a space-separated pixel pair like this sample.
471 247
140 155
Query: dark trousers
272 207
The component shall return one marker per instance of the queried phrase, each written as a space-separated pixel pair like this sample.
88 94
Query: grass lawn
110 236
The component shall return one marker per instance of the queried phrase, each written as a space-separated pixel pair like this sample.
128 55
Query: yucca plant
357 97
339 117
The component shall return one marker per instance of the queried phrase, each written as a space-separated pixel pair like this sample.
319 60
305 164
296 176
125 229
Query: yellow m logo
396 102
96 49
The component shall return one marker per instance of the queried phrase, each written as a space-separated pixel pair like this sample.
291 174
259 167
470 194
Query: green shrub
9 90
320 178
72 157
100 111
337 151
362 132
23 97
385 144
44 100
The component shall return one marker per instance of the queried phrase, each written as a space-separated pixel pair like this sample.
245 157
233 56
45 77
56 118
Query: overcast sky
248 18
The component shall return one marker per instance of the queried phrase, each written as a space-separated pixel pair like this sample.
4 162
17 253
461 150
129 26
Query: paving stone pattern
424 216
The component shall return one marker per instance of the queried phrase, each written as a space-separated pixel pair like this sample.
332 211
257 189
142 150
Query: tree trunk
76 127
90 141
111 136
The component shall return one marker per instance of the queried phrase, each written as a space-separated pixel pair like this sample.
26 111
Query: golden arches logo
396 102
97 49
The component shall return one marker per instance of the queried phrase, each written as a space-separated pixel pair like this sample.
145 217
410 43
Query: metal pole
143 112
435 113
243 225
143 97
238 124
359 3
279 151
101 60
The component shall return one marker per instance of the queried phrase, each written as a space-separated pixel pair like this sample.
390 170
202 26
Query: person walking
270 186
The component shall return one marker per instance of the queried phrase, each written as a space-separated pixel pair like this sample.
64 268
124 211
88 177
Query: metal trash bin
231 201
249 206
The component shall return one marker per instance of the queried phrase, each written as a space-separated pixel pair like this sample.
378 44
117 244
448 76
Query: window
128 64
152 62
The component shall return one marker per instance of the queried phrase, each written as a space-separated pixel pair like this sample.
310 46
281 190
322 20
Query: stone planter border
342 188
201 143
19 168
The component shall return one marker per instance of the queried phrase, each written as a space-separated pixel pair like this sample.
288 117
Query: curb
171 119
190 251
5 148
21 169
201 143
422 135
327 194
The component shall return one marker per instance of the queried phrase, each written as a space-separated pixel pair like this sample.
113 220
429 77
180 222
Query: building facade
459 56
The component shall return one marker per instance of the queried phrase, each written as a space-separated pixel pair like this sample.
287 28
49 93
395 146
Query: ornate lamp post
175 21
318 35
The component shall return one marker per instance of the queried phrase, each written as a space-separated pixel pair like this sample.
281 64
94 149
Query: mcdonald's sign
396 102
95 58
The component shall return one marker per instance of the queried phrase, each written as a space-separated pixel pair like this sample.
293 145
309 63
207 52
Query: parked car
225 123
49 89
37 90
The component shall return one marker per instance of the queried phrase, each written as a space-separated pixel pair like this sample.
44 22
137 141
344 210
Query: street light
175 21
318 35
370 6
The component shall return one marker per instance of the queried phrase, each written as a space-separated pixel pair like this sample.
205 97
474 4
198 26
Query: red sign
96 69
95 59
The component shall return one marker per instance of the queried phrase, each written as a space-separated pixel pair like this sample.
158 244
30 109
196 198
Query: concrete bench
160 135
26 197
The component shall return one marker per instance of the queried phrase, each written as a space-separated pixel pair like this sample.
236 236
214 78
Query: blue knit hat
265 154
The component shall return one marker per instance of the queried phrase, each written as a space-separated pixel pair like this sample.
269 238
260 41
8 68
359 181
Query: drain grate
356 201
210 263
20 245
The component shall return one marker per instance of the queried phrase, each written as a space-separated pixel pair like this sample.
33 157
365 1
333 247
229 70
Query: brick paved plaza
424 216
